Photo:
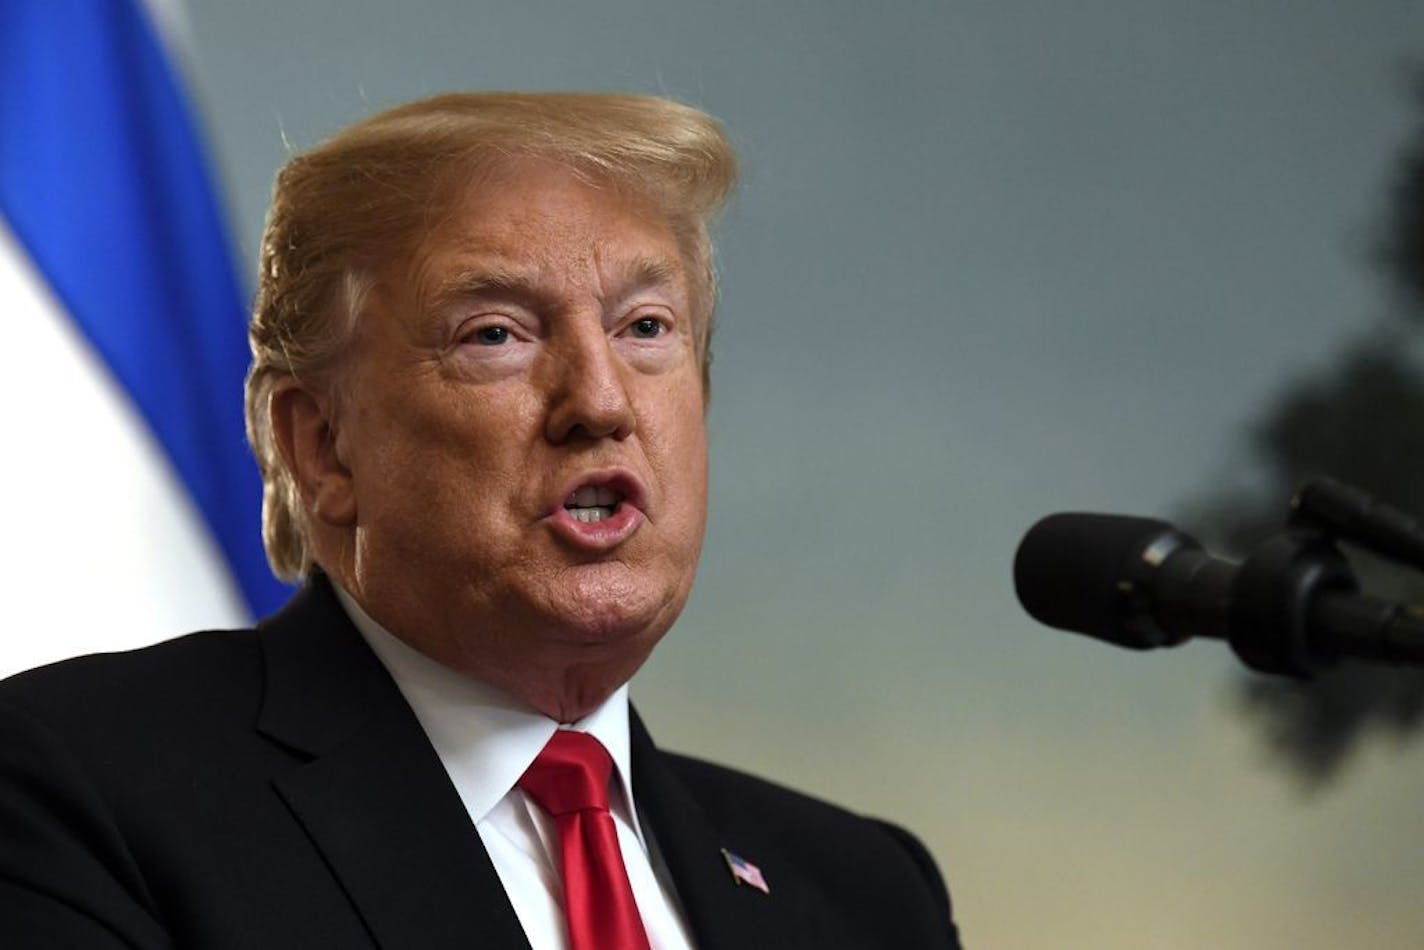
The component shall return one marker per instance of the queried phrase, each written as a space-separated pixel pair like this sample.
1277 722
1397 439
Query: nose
589 396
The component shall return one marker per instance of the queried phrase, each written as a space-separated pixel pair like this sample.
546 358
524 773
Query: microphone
1140 583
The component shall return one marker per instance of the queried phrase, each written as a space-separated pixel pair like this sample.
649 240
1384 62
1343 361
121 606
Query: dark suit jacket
273 790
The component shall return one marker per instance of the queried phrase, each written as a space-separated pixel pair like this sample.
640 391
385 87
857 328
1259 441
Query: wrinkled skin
538 338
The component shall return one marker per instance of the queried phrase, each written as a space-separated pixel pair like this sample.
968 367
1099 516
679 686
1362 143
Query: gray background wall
990 260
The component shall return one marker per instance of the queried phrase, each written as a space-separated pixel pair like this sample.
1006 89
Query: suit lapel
723 914
374 798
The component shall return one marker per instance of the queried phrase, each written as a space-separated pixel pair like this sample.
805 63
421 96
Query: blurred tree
1404 242
1362 422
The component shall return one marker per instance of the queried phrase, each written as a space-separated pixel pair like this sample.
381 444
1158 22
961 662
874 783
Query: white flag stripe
93 516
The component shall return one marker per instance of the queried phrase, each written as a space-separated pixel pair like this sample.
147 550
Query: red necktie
569 780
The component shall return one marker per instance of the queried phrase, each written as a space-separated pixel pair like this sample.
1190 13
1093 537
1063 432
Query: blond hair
374 189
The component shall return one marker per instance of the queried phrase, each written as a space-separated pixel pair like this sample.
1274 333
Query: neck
565 692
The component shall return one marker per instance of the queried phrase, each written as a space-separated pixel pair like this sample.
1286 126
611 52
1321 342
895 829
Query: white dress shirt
486 739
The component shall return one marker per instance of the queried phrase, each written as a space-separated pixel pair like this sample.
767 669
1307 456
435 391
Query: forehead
537 222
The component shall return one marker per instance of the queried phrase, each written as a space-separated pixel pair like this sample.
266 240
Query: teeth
593 496
590 515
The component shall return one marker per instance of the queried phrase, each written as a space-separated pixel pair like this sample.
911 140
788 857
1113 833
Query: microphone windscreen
1070 566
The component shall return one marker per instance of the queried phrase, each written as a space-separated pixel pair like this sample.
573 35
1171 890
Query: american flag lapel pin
745 872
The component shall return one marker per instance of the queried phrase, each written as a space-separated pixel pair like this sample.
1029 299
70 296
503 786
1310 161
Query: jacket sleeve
67 878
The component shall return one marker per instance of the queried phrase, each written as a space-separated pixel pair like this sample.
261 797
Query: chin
608 605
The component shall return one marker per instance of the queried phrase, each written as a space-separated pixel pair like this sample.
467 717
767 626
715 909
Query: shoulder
97 754
163 666
150 695
879 866
735 799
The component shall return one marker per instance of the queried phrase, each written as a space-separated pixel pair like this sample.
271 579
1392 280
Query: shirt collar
484 737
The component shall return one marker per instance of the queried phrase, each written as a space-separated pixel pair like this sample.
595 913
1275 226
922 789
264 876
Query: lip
611 531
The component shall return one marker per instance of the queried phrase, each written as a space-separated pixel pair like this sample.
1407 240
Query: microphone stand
1295 604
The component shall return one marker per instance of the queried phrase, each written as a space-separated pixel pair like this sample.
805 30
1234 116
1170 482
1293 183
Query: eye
646 328
491 336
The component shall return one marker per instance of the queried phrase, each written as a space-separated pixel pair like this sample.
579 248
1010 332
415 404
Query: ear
305 431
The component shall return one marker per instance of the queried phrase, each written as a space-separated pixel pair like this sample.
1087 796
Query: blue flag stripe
103 181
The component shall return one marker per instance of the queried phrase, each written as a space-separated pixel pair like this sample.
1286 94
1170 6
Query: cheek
441 456
684 456
695 468
697 514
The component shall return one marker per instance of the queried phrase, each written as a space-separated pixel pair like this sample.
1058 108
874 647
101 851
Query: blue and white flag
131 502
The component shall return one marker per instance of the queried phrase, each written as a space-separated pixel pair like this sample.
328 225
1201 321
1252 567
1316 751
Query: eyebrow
646 271
493 281
485 282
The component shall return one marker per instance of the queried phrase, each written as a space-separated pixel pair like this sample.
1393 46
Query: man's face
523 424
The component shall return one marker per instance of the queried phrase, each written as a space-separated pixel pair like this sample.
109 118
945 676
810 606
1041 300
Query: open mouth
592 503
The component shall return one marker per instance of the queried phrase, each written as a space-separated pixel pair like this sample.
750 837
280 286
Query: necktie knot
571 774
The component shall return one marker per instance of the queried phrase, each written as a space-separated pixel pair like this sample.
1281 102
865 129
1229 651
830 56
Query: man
478 395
